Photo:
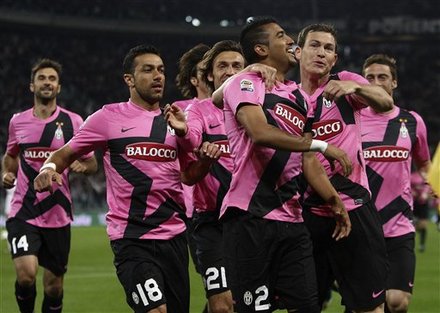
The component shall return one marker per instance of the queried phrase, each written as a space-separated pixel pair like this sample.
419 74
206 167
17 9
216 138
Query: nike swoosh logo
214 126
377 294
123 130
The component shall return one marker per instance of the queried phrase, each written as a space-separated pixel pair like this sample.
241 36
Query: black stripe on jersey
266 197
213 138
50 128
219 172
137 224
342 185
375 182
392 131
270 100
347 112
398 205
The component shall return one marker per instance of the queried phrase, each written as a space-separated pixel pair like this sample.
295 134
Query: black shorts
421 211
402 261
208 238
358 263
153 272
191 244
50 245
269 265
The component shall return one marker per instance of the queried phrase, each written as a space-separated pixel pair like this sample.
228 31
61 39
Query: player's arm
9 170
50 172
207 154
367 95
319 181
268 73
261 133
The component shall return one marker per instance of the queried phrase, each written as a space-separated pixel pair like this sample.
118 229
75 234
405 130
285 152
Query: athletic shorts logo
377 294
291 117
326 129
135 297
247 298
37 154
151 151
386 154
224 148
246 85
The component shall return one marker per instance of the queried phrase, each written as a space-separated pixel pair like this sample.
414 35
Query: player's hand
338 88
208 151
333 153
175 117
43 181
78 167
268 73
343 223
8 180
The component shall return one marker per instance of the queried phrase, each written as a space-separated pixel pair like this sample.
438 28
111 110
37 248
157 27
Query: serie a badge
403 129
59 131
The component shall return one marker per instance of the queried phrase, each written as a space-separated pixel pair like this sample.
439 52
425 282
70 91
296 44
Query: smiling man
39 223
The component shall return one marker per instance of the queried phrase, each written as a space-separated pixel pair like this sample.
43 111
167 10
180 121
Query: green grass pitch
91 284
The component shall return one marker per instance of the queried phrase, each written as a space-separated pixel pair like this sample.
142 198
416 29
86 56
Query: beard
44 97
149 96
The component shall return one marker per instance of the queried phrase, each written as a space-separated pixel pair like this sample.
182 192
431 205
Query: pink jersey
338 123
144 193
264 180
206 123
188 191
32 140
390 142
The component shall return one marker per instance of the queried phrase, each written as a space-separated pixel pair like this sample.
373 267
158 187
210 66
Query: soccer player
146 219
358 262
193 88
38 224
206 122
269 259
391 140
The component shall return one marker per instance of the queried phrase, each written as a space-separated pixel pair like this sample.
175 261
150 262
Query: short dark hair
208 59
254 33
384 60
46 63
128 64
326 28
188 68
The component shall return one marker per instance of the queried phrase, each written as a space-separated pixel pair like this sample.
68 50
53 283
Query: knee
54 288
26 278
398 302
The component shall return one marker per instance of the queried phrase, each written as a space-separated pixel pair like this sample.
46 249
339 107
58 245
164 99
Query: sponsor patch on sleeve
246 85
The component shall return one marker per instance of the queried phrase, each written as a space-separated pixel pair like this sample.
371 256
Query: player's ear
261 50
58 89
210 77
129 80
31 87
394 84
194 81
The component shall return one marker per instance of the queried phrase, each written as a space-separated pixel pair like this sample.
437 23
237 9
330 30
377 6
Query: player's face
280 46
148 80
225 65
318 56
46 84
380 75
